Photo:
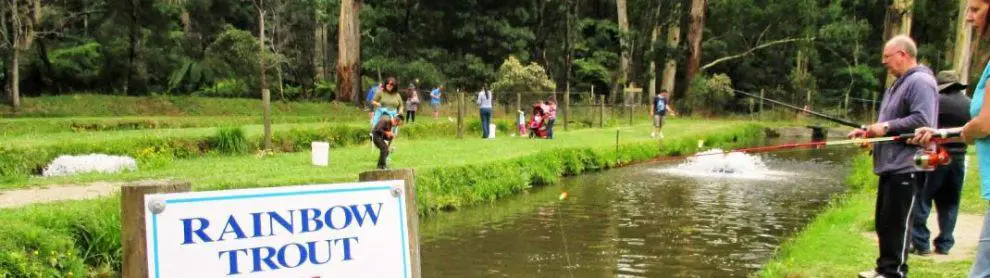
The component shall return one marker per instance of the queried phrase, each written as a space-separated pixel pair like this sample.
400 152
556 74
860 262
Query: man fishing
909 104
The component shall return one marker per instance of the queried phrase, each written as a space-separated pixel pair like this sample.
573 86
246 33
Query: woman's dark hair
395 85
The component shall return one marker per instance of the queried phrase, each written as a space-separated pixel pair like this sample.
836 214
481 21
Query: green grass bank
95 105
834 245
83 237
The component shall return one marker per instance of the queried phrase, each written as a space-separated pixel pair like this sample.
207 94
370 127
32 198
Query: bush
226 88
229 140
33 251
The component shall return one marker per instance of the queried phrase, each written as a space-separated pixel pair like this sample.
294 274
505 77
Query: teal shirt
982 144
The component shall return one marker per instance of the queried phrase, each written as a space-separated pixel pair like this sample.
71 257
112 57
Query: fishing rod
926 160
818 114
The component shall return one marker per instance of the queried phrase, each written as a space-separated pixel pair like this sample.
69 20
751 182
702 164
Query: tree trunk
185 20
964 33
326 51
626 59
670 69
568 45
652 86
135 77
897 22
49 73
15 91
349 51
694 37
265 93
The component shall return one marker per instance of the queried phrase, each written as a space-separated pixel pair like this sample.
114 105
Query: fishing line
803 110
563 236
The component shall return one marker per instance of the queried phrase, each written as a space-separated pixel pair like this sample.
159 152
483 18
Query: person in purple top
910 103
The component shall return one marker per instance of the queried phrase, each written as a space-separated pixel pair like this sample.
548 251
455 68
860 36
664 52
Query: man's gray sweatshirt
912 102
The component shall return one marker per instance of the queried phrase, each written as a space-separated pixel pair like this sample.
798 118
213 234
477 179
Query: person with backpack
659 111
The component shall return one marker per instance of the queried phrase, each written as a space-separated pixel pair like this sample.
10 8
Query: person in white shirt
485 105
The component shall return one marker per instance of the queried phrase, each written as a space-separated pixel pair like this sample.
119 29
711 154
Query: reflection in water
640 221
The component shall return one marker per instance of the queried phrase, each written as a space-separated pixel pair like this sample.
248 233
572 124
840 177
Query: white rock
66 165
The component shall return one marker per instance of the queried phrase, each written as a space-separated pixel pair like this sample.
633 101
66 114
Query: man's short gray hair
903 42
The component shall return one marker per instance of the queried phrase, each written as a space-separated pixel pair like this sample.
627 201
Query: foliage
514 78
229 140
211 47
709 94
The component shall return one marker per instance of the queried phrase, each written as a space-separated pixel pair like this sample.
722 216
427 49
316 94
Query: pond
666 219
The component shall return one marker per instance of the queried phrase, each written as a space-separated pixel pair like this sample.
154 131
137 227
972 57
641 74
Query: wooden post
412 213
761 103
518 102
567 105
601 112
132 229
460 114
630 111
594 98
617 143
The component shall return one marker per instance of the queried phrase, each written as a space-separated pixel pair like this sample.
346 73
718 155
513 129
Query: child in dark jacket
382 136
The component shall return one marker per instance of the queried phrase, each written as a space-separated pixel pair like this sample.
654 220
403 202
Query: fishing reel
929 159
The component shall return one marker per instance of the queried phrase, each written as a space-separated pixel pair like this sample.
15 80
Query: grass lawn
346 163
90 105
833 244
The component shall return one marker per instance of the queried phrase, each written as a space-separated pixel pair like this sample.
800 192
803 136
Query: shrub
229 140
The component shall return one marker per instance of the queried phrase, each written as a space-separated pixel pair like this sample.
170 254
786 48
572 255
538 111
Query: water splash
718 164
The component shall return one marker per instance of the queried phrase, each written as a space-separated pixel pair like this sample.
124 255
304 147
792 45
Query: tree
964 33
624 49
897 22
513 77
20 20
265 93
694 37
349 51
673 41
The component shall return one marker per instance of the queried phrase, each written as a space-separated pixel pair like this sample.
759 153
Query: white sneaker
872 273
653 135
661 135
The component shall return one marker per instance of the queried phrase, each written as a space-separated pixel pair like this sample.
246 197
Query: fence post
567 105
412 212
761 103
460 114
518 102
601 112
132 228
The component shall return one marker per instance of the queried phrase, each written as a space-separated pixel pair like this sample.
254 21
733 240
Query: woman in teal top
976 131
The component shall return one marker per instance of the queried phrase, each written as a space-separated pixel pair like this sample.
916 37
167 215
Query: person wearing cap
944 184
412 103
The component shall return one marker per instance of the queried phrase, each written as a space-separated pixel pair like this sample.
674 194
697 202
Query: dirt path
967 235
23 197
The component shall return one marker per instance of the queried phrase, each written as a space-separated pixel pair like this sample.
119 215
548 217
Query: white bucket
491 131
321 153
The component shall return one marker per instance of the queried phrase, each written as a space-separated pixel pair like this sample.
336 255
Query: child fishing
382 136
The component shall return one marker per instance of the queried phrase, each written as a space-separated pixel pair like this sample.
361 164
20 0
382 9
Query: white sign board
334 230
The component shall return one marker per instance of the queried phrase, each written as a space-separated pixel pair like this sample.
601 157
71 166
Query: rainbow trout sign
333 230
